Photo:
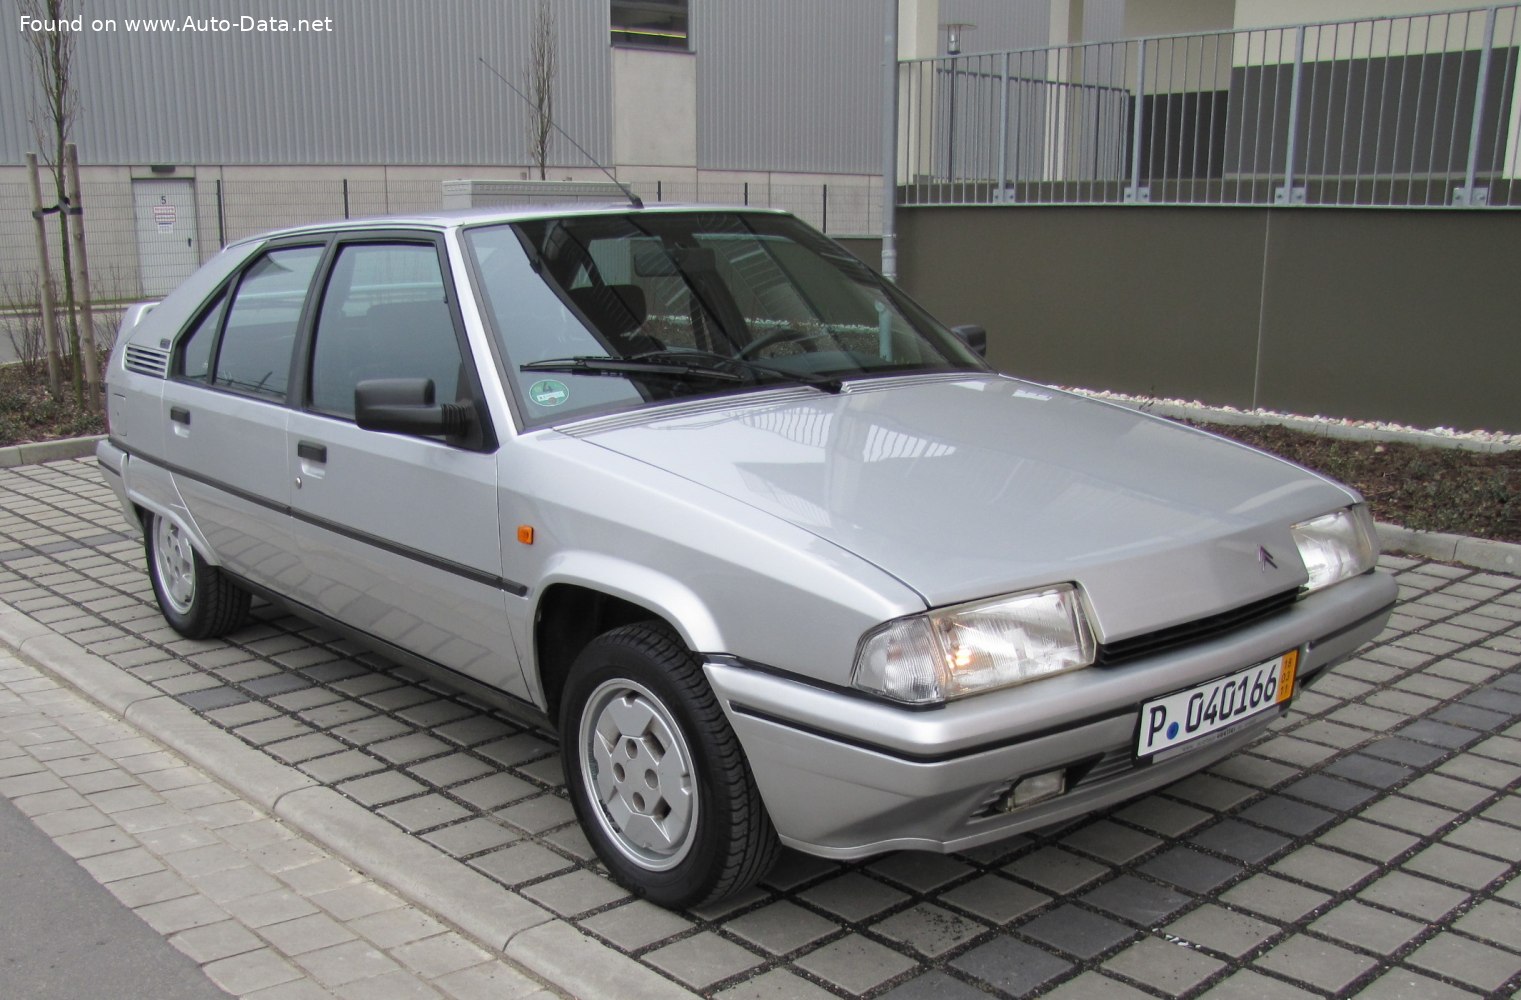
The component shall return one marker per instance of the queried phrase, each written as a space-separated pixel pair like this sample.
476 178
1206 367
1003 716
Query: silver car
780 556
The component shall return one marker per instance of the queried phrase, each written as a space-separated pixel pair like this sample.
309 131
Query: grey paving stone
470 837
1163 816
304 748
1492 774
520 863
309 932
381 788
1010 965
276 684
211 698
494 790
1438 734
1471 962
795 869
1464 868
1164 965
1486 837
1274 898
1247 984
1420 818
339 767
1368 840
516 749
1255 771
1137 900
929 929
537 814
1410 894
1317 963
1241 841
994 898
1358 924
1334 794
703 959
782 927
1077 931
1222 930
577 892
423 812
1287 816
778 984
1404 984
920 871
1190 869
1323 868
272 730
933 985
371 730
1095 986
406 749
1211 792
1056 870
1445 791
330 714
1368 770
451 770
1110 841
636 925
853 896
1493 921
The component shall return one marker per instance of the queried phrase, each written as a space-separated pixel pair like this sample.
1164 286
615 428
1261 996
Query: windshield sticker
548 392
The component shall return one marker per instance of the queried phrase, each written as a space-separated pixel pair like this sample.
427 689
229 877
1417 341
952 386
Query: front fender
662 594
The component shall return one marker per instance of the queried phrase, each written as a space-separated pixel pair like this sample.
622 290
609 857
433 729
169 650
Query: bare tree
51 53
542 59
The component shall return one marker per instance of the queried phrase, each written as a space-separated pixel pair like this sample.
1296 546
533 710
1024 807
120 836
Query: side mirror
405 406
974 336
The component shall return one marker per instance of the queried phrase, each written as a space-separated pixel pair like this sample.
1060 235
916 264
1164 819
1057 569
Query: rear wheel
197 599
656 774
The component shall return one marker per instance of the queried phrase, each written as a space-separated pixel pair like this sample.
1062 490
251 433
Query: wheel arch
597 595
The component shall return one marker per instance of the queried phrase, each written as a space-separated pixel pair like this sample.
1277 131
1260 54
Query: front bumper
845 776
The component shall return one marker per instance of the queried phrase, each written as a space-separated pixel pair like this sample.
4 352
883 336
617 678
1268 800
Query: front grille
1199 630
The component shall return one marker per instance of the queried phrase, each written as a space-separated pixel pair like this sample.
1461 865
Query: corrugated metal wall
397 82
789 85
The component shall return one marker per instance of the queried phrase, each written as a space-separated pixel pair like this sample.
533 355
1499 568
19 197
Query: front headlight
1337 546
976 647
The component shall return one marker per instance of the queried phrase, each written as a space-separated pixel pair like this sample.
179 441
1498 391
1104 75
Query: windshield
659 306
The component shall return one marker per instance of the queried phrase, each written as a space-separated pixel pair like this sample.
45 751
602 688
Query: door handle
311 451
179 415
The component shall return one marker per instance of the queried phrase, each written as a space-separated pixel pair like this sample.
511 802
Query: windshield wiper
828 383
602 365
703 365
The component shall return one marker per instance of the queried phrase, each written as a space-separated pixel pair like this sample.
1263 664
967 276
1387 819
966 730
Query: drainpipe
890 144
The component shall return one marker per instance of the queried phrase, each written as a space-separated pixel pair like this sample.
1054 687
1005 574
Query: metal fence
1414 111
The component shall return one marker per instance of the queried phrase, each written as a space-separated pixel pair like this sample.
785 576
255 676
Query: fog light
1035 788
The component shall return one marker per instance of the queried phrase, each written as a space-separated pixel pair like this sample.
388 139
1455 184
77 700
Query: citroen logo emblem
1265 558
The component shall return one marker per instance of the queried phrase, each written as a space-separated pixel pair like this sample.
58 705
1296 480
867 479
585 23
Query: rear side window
255 350
195 352
384 315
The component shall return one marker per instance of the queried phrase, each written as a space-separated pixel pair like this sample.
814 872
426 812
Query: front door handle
312 451
179 415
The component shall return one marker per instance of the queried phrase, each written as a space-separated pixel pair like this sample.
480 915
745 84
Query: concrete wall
1406 316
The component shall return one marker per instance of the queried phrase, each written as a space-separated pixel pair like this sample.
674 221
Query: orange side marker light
525 534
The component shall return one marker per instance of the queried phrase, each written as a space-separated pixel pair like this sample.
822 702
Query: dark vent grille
146 361
1200 630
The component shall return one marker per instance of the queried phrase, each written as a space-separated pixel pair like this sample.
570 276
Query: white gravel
1338 427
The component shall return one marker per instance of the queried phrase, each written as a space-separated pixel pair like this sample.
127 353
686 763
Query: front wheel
656 775
197 599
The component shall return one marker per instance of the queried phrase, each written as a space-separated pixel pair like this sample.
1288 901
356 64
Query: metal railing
1414 111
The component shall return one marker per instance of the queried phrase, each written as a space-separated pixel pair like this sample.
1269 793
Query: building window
658 24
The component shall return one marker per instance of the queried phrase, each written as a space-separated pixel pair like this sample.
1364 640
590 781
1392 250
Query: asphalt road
64 936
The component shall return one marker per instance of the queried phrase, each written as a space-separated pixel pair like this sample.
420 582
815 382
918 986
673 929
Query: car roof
458 218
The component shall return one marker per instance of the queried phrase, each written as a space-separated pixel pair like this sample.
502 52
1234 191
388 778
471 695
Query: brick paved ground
1366 846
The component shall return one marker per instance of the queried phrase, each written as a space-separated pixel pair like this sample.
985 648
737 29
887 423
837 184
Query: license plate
1188 715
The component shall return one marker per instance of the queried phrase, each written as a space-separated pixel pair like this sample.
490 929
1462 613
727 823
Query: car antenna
633 199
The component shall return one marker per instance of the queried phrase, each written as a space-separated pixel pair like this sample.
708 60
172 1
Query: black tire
197 599
675 850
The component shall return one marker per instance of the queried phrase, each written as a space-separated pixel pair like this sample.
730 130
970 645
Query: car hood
970 486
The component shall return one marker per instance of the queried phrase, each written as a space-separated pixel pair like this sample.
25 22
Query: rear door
224 411
399 534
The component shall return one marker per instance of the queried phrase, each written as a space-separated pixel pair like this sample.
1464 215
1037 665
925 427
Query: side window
384 315
255 351
195 348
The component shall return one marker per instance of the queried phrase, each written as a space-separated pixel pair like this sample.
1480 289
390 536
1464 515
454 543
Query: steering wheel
784 334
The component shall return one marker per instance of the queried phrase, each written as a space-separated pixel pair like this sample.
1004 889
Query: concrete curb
1475 553
504 922
36 452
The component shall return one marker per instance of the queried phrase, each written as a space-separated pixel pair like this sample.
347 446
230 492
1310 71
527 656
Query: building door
166 235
